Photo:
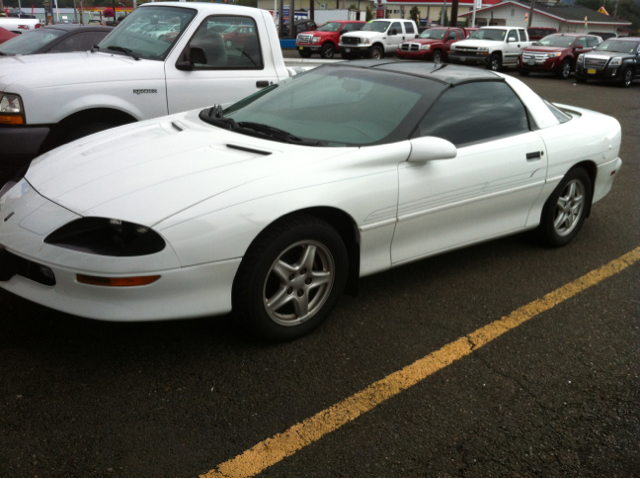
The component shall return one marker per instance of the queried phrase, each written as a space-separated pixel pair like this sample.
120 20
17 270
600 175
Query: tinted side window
87 40
476 112
397 27
349 27
222 47
408 27
523 35
581 43
452 36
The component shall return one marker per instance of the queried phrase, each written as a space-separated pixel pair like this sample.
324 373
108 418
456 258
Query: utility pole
443 17
454 13
533 3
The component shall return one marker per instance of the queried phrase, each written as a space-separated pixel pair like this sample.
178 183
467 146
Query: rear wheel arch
592 170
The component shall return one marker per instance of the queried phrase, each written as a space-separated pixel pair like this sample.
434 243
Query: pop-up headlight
107 237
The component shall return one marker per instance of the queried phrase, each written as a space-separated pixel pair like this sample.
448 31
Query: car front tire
304 53
564 71
376 53
291 278
566 209
437 56
327 51
626 78
495 62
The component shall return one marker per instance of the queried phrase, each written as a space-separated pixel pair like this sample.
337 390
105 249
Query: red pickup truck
432 44
325 39
556 53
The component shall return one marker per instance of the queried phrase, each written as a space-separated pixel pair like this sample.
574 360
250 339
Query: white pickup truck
494 47
377 38
164 58
19 25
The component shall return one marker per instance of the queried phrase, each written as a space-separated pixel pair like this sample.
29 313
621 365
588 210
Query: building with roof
563 17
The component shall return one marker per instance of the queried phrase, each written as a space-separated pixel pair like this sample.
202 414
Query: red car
236 35
325 39
6 35
556 54
432 44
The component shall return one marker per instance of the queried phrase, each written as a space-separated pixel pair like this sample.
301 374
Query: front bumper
354 48
471 59
20 144
547 65
308 47
181 292
605 74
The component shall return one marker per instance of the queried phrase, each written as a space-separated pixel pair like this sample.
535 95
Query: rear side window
408 26
523 35
476 112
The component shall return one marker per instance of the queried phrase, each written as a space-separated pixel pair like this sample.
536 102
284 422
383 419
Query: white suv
377 38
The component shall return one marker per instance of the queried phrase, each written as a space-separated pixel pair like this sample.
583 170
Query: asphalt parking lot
557 393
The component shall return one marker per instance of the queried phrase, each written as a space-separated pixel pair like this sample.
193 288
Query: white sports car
275 205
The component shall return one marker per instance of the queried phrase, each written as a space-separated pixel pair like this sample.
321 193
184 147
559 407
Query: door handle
533 155
262 83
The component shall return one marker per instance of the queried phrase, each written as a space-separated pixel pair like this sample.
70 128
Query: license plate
463 59
347 50
591 71
531 62
301 48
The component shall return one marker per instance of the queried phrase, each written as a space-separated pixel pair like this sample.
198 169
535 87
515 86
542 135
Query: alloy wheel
569 208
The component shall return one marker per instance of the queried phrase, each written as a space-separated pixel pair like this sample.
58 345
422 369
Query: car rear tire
564 71
626 78
327 51
437 56
376 53
291 278
495 62
566 209
304 53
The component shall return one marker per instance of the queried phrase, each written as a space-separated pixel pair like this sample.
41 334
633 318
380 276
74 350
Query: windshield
30 42
330 27
557 41
379 27
489 34
618 46
340 106
435 33
149 32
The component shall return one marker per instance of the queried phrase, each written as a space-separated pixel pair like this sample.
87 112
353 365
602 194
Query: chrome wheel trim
495 63
566 70
437 57
377 54
228 43
299 283
569 208
628 77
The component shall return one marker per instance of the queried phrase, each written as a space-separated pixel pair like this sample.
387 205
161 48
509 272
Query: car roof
444 73
623 39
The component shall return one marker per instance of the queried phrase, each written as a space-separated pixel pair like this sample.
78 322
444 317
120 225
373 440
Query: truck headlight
615 61
483 49
581 58
554 55
11 111
366 42
316 39
425 47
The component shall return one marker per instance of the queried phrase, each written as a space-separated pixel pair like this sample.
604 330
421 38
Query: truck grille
304 38
349 40
466 51
597 63
410 47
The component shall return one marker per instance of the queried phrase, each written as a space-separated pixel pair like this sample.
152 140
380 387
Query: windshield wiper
214 116
124 50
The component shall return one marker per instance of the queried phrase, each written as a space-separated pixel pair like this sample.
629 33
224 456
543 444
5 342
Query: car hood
149 171
476 43
605 54
544 49
423 41
50 70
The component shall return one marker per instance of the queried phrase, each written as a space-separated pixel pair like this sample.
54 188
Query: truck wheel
565 70
376 53
437 56
327 51
626 78
495 62
304 53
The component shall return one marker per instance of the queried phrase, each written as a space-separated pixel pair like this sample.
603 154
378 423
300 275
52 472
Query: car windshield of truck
30 42
557 41
489 34
618 46
149 32
435 33
379 27
330 27
334 106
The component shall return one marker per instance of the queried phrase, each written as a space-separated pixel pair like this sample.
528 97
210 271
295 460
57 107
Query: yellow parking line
276 448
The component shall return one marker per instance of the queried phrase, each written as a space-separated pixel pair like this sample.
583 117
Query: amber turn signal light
11 120
117 282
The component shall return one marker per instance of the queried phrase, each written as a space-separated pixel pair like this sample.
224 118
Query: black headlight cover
107 237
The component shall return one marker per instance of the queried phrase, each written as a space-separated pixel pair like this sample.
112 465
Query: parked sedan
556 54
276 205
55 39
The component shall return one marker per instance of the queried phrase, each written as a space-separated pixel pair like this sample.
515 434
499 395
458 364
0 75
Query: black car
303 25
55 39
617 60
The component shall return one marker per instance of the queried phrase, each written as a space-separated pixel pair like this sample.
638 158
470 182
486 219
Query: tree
414 13
369 13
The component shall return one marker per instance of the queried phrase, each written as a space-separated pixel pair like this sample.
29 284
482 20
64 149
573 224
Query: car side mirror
189 57
428 148
393 32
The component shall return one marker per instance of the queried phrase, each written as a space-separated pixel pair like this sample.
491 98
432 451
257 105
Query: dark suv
617 60
556 54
